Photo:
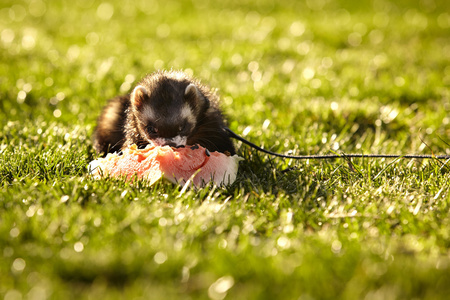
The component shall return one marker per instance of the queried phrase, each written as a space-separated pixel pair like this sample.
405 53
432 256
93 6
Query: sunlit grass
312 77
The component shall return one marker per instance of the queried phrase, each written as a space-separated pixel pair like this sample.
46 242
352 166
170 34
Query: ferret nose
170 142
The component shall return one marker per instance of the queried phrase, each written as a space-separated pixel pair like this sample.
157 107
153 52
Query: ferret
165 108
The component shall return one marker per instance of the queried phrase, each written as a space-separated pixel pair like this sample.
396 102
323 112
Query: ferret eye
182 127
151 129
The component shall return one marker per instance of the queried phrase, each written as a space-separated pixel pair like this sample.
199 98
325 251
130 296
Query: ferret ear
138 96
192 92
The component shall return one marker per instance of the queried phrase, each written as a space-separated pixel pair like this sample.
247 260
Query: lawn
309 77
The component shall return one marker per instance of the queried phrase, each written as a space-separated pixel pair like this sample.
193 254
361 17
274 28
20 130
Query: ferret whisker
120 142
209 130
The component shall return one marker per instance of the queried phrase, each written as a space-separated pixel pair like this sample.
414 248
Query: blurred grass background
307 76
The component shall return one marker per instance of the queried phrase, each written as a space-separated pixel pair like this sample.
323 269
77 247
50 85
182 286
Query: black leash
328 156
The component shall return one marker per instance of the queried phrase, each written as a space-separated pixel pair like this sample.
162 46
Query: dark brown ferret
165 108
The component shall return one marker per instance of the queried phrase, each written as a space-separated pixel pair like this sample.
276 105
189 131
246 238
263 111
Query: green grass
312 77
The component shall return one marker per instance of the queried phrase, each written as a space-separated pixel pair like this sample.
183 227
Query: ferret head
167 108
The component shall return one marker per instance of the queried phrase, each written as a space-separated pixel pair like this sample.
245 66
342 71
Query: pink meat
177 165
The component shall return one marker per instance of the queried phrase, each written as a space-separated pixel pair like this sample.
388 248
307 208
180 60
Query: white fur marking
186 114
148 113
178 141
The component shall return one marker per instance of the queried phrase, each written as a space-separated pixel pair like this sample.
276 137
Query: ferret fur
165 108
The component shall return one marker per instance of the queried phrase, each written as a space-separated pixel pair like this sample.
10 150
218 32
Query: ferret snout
168 143
172 142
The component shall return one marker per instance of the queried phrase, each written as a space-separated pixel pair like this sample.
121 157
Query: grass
311 77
